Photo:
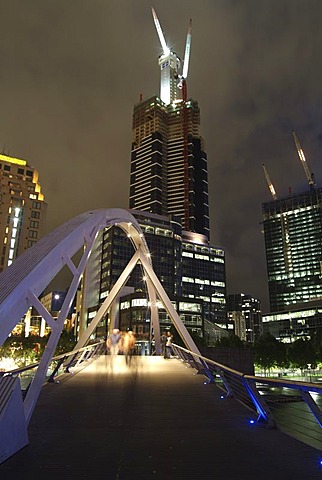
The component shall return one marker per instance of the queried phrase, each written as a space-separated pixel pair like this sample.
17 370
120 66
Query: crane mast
183 85
309 175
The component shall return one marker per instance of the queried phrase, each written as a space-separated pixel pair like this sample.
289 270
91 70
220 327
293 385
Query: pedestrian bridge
186 417
157 419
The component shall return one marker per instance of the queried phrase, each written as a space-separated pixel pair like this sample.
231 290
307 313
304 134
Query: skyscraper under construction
169 199
293 242
168 163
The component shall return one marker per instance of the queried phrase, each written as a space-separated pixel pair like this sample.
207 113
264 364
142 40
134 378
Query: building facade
191 271
250 308
293 244
168 163
22 208
290 325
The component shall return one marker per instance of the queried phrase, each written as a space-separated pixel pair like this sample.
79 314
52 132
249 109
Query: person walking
128 346
163 341
113 344
168 345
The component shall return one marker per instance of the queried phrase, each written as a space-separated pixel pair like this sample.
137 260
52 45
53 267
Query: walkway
157 420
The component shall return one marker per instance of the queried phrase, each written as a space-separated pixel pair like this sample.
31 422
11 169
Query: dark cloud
71 72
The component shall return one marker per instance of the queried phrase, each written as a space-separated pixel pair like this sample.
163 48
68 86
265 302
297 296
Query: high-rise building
250 308
169 199
159 182
22 208
293 243
168 162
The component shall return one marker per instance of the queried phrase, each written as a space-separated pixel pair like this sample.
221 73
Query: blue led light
251 422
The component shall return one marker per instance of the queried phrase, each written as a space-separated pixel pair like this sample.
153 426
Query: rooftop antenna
309 175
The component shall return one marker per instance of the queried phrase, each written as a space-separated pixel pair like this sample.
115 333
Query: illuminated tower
22 208
168 162
169 199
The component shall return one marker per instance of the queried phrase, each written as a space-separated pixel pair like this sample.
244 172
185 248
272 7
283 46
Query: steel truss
22 283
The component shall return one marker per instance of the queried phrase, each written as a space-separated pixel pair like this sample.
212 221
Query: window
7 167
35 214
21 171
33 234
34 224
139 302
29 173
36 205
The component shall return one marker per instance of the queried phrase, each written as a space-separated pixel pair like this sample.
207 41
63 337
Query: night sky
71 71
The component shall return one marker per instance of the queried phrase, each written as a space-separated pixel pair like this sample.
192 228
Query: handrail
248 390
62 356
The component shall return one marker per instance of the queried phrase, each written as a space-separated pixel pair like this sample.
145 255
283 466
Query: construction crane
183 77
171 80
270 184
287 251
309 175
164 46
183 85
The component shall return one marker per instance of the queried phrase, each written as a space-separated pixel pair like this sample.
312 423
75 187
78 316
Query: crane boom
187 52
308 174
270 184
164 46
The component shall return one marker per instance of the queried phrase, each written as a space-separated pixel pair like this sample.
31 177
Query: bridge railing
59 364
292 406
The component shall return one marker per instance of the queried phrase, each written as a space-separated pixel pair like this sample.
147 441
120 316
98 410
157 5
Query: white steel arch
22 283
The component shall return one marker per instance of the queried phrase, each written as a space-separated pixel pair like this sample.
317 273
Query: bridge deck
156 420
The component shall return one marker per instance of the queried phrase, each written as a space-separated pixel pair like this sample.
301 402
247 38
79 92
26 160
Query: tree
28 350
230 341
23 350
269 352
302 353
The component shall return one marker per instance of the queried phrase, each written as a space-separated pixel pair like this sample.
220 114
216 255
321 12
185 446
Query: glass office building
290 325
191 271
293 244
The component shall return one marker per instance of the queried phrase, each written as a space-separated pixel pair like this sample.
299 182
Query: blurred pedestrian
168 345
113 344
163 341
128 346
